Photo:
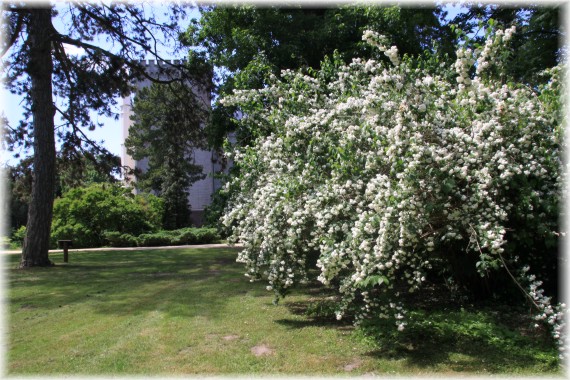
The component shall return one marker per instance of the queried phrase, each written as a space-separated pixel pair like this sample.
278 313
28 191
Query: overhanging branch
14 35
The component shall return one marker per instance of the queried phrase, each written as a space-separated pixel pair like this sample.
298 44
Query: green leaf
373 280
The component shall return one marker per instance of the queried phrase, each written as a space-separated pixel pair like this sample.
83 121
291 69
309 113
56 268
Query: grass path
191 311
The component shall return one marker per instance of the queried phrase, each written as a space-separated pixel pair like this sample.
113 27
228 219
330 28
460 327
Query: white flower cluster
492 46
464 62
376 170
379 41
552 315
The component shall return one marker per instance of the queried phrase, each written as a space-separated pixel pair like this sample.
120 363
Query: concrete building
200 192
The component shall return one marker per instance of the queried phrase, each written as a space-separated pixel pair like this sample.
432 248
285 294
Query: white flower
366 169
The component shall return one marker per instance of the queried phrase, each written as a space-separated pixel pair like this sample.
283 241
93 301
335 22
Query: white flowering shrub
381 170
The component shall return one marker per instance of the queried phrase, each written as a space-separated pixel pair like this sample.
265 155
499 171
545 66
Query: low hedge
161 238
196 236
117 239
156 239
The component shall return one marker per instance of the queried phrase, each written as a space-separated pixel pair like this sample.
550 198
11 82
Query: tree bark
39 69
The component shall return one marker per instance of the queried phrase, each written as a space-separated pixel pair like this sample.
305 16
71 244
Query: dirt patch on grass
230 337
352 365
262 350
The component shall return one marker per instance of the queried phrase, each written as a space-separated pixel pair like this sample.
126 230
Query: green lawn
191 311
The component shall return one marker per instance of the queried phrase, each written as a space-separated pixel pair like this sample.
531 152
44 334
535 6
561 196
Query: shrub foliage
84 215
393 171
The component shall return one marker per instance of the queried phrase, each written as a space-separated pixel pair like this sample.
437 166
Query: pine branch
15 34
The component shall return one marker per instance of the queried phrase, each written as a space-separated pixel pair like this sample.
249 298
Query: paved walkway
14 252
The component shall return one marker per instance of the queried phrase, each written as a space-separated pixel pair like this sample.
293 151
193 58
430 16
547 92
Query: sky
110 135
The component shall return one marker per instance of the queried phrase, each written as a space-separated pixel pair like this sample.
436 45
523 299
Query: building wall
200 192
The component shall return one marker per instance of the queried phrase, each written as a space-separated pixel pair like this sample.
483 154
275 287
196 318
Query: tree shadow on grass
463 342
303 323
318 311
182 282
474 340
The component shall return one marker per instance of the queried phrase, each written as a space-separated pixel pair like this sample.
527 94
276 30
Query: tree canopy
168 125
237 38
249 43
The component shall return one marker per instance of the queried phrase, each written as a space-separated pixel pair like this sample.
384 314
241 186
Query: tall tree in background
36 65
249 43
537 44
168 125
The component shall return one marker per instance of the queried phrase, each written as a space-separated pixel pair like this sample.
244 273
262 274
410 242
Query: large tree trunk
40 67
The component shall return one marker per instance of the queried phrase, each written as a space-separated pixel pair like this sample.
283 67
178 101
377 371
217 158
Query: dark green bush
82 235
207 235
186 236
84 214
197 236
179 237
156 239
117 239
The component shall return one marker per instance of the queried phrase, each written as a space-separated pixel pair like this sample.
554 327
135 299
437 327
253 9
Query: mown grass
191 311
